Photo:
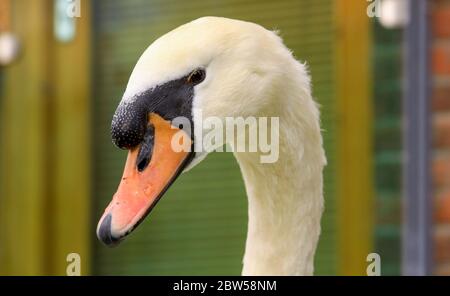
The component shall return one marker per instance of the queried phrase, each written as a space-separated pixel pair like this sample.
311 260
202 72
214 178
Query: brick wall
440 64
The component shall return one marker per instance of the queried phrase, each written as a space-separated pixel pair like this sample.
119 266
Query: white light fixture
64 22
393 13
9 48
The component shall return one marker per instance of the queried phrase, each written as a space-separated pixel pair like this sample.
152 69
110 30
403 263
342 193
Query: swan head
217 66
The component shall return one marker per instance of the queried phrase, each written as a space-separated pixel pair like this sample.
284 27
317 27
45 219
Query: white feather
250 72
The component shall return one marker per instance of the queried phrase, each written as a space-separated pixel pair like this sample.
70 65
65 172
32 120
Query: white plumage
250 72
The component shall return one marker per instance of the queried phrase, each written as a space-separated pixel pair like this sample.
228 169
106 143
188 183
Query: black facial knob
128 125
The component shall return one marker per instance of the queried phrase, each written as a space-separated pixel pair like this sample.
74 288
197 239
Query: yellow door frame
72 171
45 136
354 153
23 198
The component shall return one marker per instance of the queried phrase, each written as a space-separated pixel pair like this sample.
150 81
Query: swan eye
196 76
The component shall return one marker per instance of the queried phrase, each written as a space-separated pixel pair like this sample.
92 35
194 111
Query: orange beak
143 184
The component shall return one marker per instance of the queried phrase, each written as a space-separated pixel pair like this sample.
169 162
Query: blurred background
380 69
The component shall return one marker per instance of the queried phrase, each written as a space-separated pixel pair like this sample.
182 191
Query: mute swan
224 67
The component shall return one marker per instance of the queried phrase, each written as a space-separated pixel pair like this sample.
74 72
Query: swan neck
285 203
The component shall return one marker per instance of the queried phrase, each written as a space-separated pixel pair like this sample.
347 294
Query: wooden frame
45 160
354 156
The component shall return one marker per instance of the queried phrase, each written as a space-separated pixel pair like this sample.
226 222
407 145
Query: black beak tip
104 233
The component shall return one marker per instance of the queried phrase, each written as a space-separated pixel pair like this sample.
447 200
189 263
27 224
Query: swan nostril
146 150
143 164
